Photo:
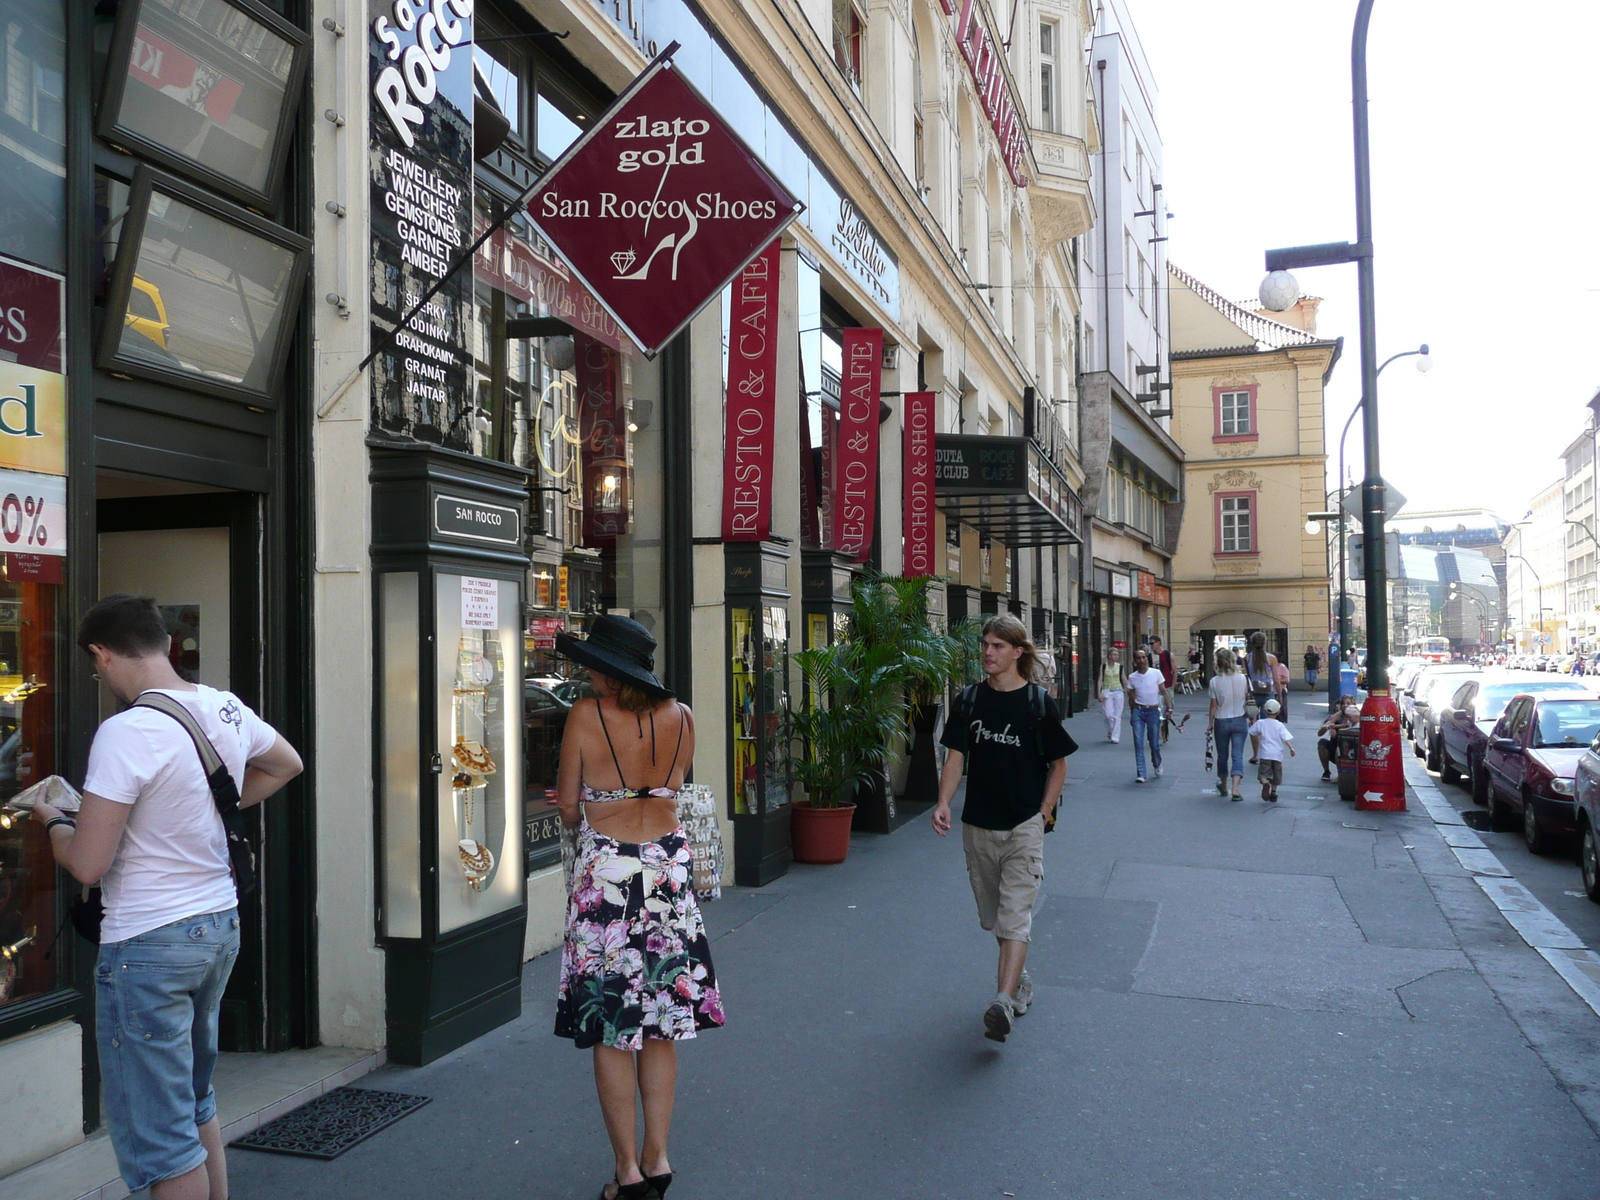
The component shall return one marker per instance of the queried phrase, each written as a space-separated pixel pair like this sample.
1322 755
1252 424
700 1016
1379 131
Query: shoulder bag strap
224 792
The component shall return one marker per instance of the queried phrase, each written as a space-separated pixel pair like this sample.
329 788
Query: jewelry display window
478 677
29 900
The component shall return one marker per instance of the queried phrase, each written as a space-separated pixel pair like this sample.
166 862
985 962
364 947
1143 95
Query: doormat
332 1123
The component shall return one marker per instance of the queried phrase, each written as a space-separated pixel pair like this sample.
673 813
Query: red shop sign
660 206
603 444
916 518
1147 586
987 62
752 371
855 460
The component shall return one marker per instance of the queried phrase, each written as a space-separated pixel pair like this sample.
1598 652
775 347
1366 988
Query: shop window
849 31
223 285
1236 522
559 119
29 904
1235 414
208 88
33 142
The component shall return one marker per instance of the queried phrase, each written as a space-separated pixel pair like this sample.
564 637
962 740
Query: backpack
967 703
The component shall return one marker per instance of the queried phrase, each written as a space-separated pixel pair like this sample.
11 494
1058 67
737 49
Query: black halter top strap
600 712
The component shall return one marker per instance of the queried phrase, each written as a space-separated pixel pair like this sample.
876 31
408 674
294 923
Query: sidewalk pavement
1231 1000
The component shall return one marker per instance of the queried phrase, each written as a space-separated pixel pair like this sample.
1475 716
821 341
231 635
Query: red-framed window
1237 518
1235 410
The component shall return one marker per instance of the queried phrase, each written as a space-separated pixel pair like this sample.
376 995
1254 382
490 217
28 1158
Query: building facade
1536 574
1248 413
371 442
1134 485
1578 516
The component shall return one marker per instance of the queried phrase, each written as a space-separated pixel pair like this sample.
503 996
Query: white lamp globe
1313 527
1424 361
1279 291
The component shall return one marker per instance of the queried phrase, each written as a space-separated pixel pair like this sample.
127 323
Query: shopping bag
1211 751
697 809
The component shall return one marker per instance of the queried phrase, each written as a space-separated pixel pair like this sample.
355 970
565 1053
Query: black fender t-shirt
1005 768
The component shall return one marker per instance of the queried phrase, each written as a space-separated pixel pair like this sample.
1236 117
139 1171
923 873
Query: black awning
1007 488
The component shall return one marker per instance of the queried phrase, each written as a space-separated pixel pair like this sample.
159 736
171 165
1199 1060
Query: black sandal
626 1191
661 1183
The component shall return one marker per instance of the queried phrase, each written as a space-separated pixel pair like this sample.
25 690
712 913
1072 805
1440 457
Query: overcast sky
1484 177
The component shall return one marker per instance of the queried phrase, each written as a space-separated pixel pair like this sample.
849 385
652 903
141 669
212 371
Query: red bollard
1380 769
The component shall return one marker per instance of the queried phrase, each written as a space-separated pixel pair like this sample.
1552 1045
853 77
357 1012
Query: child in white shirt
1268 738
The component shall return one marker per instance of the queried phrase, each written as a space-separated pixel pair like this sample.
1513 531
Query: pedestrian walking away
1348 716
1228 722
1161 659
1008 731
151 833
1269 736
636 972
1149 701
1113 685
1261 671
1313 665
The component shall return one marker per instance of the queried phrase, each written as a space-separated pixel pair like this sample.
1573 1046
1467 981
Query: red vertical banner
855 463
916 503
752 376
603 444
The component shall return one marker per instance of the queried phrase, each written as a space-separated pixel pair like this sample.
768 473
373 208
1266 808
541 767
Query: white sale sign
33 513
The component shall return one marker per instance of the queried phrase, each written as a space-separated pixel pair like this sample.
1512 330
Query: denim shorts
156 1002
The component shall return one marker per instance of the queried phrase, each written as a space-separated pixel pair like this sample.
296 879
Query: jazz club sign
660 206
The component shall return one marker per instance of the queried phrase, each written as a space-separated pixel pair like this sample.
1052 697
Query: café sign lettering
987 61
659 206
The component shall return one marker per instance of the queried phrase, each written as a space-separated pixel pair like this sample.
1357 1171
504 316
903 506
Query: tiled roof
1274 335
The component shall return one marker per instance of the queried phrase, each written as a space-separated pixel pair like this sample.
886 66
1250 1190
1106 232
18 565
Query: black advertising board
419 161
980 465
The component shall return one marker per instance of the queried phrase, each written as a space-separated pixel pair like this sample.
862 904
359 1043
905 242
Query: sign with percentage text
33 513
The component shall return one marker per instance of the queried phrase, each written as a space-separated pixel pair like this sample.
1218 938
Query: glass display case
757 598
825 577
28 879
449 562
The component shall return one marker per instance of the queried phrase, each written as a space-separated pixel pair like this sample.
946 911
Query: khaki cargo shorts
1006 867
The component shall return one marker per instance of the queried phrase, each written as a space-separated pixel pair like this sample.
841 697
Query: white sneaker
1024 996
997 1019
1158 772
1138 778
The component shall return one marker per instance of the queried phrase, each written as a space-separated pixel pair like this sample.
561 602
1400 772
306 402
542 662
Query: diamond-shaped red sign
659 206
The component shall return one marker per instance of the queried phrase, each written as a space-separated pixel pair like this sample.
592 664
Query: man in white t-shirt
149 833
1148 700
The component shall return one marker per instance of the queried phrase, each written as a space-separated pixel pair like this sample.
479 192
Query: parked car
1531 761
544 720
1468 718
1430 702
570 691
1586 800
1414 704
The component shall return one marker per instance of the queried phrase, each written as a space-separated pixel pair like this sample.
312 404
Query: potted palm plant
958 665
854 707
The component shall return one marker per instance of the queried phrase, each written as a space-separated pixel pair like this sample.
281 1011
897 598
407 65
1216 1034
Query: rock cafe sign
659 206
987 62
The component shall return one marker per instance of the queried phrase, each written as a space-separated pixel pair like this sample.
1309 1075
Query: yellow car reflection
147 312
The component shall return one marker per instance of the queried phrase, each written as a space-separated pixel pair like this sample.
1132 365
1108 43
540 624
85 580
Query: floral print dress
635 963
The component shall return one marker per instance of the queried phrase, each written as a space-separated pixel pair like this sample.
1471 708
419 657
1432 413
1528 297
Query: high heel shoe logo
623 259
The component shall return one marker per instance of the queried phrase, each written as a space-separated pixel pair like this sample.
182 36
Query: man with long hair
1010 730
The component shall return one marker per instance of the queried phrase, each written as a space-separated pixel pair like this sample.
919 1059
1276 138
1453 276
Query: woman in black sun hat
636 974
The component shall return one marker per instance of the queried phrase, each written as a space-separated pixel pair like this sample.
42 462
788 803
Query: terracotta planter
821 835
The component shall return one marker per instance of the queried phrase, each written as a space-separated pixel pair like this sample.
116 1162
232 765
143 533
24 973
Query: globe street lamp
1382 782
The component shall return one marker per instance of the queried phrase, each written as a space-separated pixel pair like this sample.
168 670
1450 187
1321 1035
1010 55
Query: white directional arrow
1373 797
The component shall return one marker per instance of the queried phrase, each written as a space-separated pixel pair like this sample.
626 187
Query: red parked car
1530 762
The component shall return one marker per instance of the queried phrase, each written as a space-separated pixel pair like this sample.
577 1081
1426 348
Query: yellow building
1247 400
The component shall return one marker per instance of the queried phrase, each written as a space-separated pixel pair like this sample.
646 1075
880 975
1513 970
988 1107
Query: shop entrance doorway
195 553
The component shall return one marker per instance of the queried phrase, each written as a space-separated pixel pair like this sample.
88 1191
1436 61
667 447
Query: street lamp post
1424 365
1382 779
1539 582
